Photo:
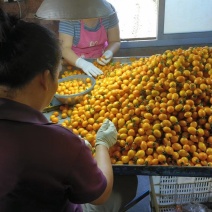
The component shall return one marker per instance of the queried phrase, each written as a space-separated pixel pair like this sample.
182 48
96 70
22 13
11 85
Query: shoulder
58 130
83 164
69 23
68 27
64 139
112 7
111 21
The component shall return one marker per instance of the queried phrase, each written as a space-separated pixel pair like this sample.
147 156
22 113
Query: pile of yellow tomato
74 86
160 105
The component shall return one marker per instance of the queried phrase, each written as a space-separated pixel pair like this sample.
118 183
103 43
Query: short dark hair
26 49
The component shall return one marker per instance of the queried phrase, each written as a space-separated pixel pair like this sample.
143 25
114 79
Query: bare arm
105 138
103 161
113 45
113 39
67 53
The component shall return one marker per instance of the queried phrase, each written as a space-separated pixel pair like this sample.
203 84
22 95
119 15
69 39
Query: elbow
104 197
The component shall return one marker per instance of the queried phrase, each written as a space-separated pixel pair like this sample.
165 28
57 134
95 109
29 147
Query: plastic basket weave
168 191
75 98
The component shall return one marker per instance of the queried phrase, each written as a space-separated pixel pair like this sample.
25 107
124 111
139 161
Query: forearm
69 56
114 40
113 46
103 162
111 49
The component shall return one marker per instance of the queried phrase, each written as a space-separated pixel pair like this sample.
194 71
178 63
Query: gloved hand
89 68
105 58
107 134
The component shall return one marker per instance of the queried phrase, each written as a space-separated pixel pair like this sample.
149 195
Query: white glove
105 58
107 134
89 68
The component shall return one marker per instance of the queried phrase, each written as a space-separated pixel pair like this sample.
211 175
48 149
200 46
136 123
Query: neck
6 92
25 96
91 22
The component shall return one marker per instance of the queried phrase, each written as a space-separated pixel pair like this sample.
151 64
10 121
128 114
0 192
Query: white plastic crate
170 208
168 191
188 188
178 180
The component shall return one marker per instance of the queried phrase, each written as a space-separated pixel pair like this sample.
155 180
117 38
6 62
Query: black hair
26 49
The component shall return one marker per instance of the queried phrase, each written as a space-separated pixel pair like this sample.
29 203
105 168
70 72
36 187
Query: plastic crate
166 209
168 192
178 180
75 98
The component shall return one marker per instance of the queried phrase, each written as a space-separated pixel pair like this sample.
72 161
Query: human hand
89 68
107 134
105 58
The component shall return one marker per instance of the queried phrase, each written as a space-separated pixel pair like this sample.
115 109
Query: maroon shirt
43 167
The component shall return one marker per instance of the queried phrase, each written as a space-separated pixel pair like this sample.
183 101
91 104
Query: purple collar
15 111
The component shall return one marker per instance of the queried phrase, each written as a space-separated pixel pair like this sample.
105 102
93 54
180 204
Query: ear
44 79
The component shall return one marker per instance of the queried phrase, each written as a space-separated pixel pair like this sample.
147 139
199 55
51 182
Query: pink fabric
91 44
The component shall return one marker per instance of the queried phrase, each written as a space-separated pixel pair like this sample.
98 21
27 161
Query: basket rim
78 76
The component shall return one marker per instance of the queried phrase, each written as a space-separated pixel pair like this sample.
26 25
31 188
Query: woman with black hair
43 166
95 38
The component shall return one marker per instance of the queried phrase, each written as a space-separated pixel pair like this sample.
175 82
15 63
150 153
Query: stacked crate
169 192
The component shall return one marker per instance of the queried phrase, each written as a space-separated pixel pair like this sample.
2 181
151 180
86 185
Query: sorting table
183 171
